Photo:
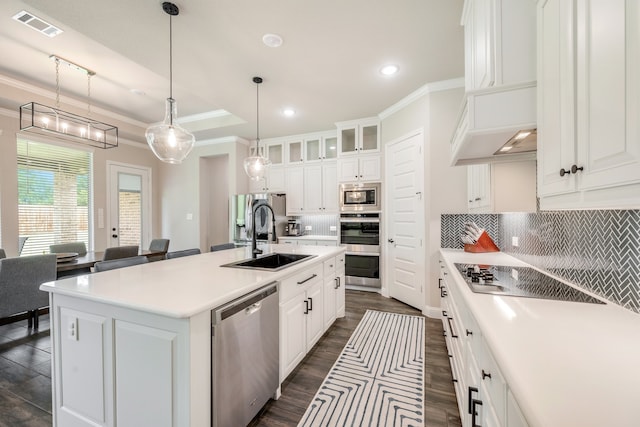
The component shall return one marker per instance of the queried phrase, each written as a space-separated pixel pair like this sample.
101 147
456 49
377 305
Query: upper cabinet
358 136
499 42
500 80
320 148
588 104
295 153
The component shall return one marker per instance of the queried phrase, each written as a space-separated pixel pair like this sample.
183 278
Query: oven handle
368 220
363 253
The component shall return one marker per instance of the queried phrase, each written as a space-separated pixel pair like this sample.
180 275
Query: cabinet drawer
329 267
299 282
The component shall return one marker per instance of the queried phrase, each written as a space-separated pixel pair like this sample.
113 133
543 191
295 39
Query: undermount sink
271 262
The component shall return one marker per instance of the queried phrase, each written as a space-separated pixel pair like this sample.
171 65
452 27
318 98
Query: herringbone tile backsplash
598 250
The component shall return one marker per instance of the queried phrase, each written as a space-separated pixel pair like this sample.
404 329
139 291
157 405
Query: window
54 196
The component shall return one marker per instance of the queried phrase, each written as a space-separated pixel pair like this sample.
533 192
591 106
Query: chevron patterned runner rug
378 379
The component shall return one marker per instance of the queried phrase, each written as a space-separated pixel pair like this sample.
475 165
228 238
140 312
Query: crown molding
424 90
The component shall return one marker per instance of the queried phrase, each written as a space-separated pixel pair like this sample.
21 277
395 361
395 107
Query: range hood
493 119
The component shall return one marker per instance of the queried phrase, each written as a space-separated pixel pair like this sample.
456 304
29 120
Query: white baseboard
433 312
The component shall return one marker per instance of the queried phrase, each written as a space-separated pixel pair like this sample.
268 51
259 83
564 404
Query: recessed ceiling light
272 40
289 112
389 70
38 24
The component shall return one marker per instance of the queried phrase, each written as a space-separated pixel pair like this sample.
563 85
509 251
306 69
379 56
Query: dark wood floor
25 370
441 409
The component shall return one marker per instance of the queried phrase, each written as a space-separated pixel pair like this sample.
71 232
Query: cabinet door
348 169
275 179
275 153
556 112
330 187
294 152
608 93
293 334
369 139
329 147
347 140
295 190
315 317
479 187
369 168
340 293
313 189
144 377
482 54
82 371
312 150
330 288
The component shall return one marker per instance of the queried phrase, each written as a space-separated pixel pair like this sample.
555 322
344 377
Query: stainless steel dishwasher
244 356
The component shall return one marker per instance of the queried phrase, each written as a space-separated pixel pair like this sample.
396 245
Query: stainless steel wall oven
360 234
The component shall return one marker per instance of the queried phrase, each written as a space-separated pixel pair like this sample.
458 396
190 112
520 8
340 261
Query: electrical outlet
73 329
514 241
307 228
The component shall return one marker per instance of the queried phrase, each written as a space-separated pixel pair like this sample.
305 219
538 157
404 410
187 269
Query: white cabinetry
502 187
321 188
362 168
295 152
295 190
589 102
358 136
334 295
320 147
273 181
301 316
481 390
500 42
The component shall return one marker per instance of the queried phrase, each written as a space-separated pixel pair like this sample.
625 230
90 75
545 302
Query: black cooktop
519 281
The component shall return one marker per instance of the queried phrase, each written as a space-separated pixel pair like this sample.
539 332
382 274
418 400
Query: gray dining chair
185 252
70 247
120 252
159 245
222 247
119 263
20 280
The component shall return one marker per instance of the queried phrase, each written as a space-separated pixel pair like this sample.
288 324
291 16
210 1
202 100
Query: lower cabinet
482 392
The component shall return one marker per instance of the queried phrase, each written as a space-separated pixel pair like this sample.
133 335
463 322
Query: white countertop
309 237
566 363
182 287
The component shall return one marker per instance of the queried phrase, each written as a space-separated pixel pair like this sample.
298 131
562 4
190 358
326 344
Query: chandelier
52 121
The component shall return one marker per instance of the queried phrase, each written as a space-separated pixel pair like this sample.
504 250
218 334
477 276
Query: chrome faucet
254 247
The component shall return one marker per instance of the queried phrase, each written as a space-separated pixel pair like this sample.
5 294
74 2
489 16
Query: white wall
445 187
182 188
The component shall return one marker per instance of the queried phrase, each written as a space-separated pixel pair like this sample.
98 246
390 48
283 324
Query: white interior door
129 205
404 254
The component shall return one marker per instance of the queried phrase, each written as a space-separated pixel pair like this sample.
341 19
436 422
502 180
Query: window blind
54 196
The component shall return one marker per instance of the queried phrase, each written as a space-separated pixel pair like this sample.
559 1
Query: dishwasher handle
249 303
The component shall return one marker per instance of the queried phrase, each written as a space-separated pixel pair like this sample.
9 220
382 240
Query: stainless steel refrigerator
242 208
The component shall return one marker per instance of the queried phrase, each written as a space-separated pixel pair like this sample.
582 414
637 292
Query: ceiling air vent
37 24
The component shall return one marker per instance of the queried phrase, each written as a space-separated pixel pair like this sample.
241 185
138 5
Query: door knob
390 240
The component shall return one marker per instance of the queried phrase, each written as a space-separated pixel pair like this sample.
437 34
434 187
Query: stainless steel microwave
360 197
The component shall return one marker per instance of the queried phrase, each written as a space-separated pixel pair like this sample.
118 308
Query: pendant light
169 141
255 166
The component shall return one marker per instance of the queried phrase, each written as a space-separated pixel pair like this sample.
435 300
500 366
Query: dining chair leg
36 319
29 319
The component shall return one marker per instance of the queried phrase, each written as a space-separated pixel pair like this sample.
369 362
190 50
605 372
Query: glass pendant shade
256 167
169 141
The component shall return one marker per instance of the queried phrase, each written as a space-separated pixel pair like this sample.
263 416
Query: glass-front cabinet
275 153
359 136
320 148
294 152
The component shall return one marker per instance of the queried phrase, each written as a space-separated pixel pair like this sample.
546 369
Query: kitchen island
533 362
132 347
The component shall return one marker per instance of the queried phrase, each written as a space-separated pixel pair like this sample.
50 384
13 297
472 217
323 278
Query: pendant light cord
171 68
257 118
